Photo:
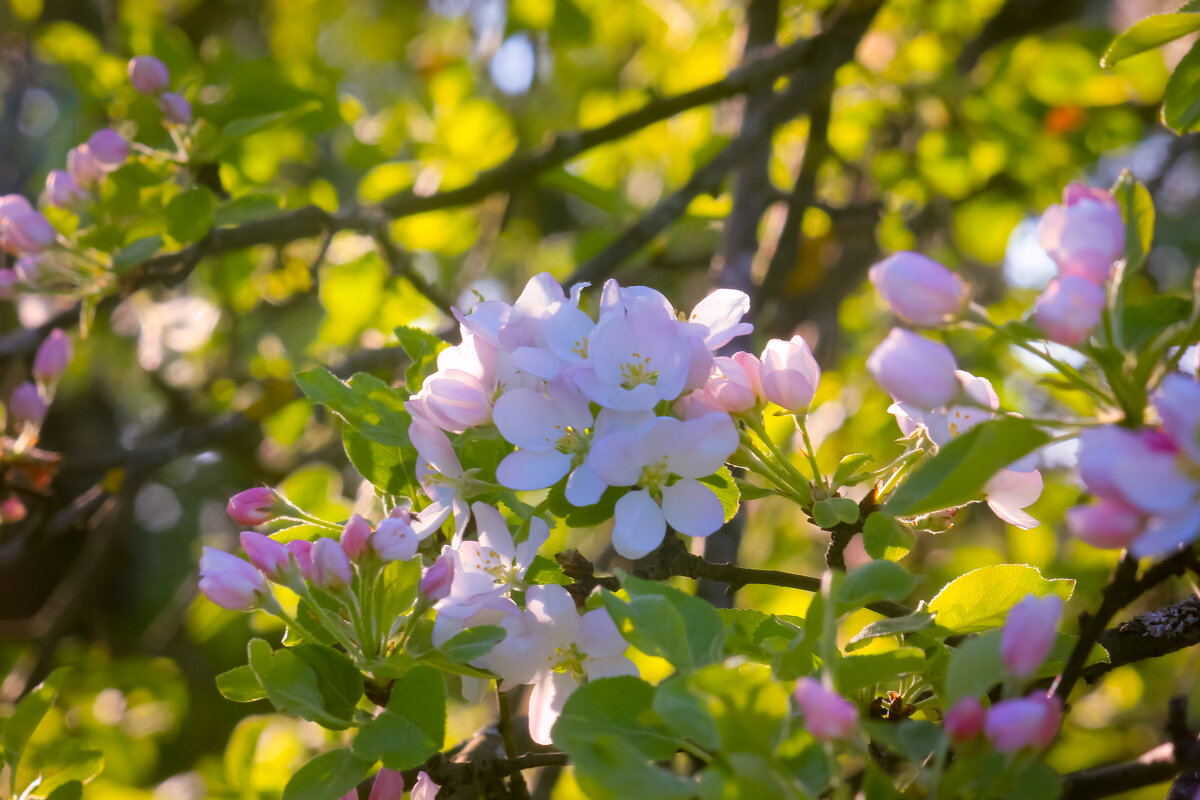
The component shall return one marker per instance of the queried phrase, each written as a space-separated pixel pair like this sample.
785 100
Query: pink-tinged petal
537 361
691 508
615 459
429 519
1108 524
570 403
1153 482
551 604
1029 633
567 332
599 637
978 389
913 369
1167 534
919 290
964 721
702 445
546 702
721 313
434 446
610 667
638 525
523 470
425 788
584 486
528 419
1014 516
539 532
493 530
1009 491
1178 403
612 421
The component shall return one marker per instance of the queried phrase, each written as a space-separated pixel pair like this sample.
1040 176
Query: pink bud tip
1031 721
914 369
26 404
964 721
1108 524
148 75
388 785
176 108
789 373
1029 633
425 788
268 555
355 537
12 509
13 204
1085 235
331 568
301 550
436 582
53 356
253 506
108 147
827 714
229 581
1070 309
918 289
62 190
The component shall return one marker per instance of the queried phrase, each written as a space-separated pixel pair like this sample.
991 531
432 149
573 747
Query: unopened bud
53 356
1029 633
919 290
356 537
914 369
301 550
789 373
62 190
827 715
27 233
1032 721
176 108
12 509
253 506
84 167
26 404
1070 309
148 75
229 581
331 568
388 785
436 582
108 147
269 556
964 721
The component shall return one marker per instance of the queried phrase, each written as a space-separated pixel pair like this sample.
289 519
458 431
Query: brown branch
1150 635
400 263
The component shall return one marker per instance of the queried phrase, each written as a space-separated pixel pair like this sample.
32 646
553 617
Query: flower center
568 659
637 371
654 476
574 442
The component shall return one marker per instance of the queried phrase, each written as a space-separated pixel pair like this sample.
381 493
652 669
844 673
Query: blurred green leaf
621 707
862 671
975 667
28 714
827 513
190 214
422 348
887 537
981 598
1150 33
1181 102
726 490
466 646
874 581
895 626
135 253
240 685
327 776
412 727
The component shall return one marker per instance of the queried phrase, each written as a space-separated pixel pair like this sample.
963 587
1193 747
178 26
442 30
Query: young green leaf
981 598
1150 33
1181 101
328 775
412 727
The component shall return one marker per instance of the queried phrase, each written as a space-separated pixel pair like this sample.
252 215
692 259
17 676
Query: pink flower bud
395 540
1084 235
1023 722
1177 401
108 147
914 369
435 583
964 721
13 204
52 356
789 373
1029 633
268 555
331 568
827 715
919 290
84 167
730 388
694 404
455 400
12 510
388 785
26 404
1108 524
425 788
229 581
1070 309
175 108
27 234
62 190
301 550
148 75
355 537
253 506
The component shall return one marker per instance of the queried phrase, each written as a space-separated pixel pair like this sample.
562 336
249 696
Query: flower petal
638 525
523 470
692 508
546 704
493 530
1166 534
584 486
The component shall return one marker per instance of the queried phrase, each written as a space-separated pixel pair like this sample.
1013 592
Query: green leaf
621 707
914 739
726 490
1137 211
847 472
71 790
864 670
134 253
981 598
957 474
583 516
887 537
240 685
190 214
545 570
383 465
61 763
246 208
28 714
610 768
975 667
340 682
682 628
466 646
1150 33
240 128
293 687
917 621
685 713
829 512
873 581
422 348
1181 101
367 404
412 727
327 776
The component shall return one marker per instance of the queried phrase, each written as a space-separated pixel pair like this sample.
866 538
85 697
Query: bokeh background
957 123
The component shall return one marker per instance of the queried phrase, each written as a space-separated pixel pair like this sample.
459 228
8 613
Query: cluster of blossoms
388 784
28 234
1147 481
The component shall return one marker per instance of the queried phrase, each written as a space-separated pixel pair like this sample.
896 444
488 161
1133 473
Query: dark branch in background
829 51
1150 635
672 559
400 263
1123 588
1014 19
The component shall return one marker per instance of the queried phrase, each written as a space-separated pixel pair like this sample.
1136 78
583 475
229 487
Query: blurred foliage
377 96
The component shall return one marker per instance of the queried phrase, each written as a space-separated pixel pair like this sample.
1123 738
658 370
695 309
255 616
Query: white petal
638 525
1166 534
434 446
584 486
528 419
721 312
546 704
525 469
539 532
1153 482
703 444
1015 489
599 637
537 361
692 508
493 530
610 667
1013 515
614 459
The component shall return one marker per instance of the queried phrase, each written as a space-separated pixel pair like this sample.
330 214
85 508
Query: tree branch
1150 635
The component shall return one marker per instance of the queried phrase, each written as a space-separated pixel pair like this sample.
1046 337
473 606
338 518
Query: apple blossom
269 556
108 147
964 721
355 537
26 404
1177 402
425 788
1029 633
789 374
914 369
721 312
663 463
148 74
175 108
1084 235
27 233
301 550
919 290
53 356
254 506
827 715
733 385
1023 722
331 568
229 581
62 190
84 167
388 785
1109 523
441 476
1070 309
438 579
